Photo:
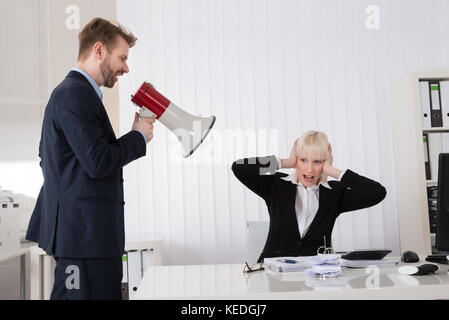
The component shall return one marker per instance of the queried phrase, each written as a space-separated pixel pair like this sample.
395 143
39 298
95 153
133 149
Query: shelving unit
433 131
441 129
411 183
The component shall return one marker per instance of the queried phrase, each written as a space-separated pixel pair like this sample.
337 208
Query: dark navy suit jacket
352 192
79 212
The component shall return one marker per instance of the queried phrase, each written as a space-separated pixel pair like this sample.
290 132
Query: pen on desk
287 261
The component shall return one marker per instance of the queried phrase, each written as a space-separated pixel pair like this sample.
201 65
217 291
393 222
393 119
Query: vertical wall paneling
269 71
33 66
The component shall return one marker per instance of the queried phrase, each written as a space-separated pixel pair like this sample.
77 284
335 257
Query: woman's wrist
287 163
332 172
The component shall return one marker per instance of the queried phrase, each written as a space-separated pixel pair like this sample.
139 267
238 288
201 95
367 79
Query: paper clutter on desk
326 270
287 264
295 264
324 259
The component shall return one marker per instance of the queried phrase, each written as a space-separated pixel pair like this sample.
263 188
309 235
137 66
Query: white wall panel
265 68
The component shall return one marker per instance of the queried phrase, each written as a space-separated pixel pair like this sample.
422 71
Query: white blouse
307 200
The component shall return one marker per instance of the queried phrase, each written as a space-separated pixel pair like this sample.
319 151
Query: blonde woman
303 206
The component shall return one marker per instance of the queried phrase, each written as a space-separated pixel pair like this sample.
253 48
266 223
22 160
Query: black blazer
353 192
79 212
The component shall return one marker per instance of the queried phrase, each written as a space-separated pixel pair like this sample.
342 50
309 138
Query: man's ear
99 50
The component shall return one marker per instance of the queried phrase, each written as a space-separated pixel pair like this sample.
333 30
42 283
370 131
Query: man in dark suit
79 213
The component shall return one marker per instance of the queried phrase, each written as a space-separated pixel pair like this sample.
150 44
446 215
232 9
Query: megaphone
189 129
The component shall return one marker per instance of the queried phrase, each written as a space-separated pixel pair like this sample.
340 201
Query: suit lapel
104 114
103 111
106 119
78 75
324 202
293 229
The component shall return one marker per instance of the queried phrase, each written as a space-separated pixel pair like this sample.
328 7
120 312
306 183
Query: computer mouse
409 256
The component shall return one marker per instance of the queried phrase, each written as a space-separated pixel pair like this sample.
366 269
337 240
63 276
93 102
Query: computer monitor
442 232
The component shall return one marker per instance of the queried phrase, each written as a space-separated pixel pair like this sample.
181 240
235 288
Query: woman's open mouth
308 178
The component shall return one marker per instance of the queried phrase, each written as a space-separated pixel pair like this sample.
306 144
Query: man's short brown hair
104 31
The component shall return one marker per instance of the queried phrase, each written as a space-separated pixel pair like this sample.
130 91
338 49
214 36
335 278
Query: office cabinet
408 129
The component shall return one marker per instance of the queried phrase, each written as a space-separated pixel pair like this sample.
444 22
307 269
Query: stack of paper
287 264
321 264
292 264
324 259
326 270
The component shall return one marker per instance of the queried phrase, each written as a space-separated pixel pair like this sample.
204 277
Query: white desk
43 266
227 281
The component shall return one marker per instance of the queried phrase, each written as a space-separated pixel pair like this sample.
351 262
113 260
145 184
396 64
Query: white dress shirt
307 200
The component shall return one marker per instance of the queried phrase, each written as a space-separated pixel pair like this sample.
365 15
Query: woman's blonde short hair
315 143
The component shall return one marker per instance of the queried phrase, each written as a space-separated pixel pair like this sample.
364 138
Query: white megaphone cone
189 129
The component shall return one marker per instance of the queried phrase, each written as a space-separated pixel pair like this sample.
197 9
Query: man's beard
108 74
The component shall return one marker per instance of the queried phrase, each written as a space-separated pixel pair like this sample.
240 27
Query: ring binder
444 97
425 104
435 104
